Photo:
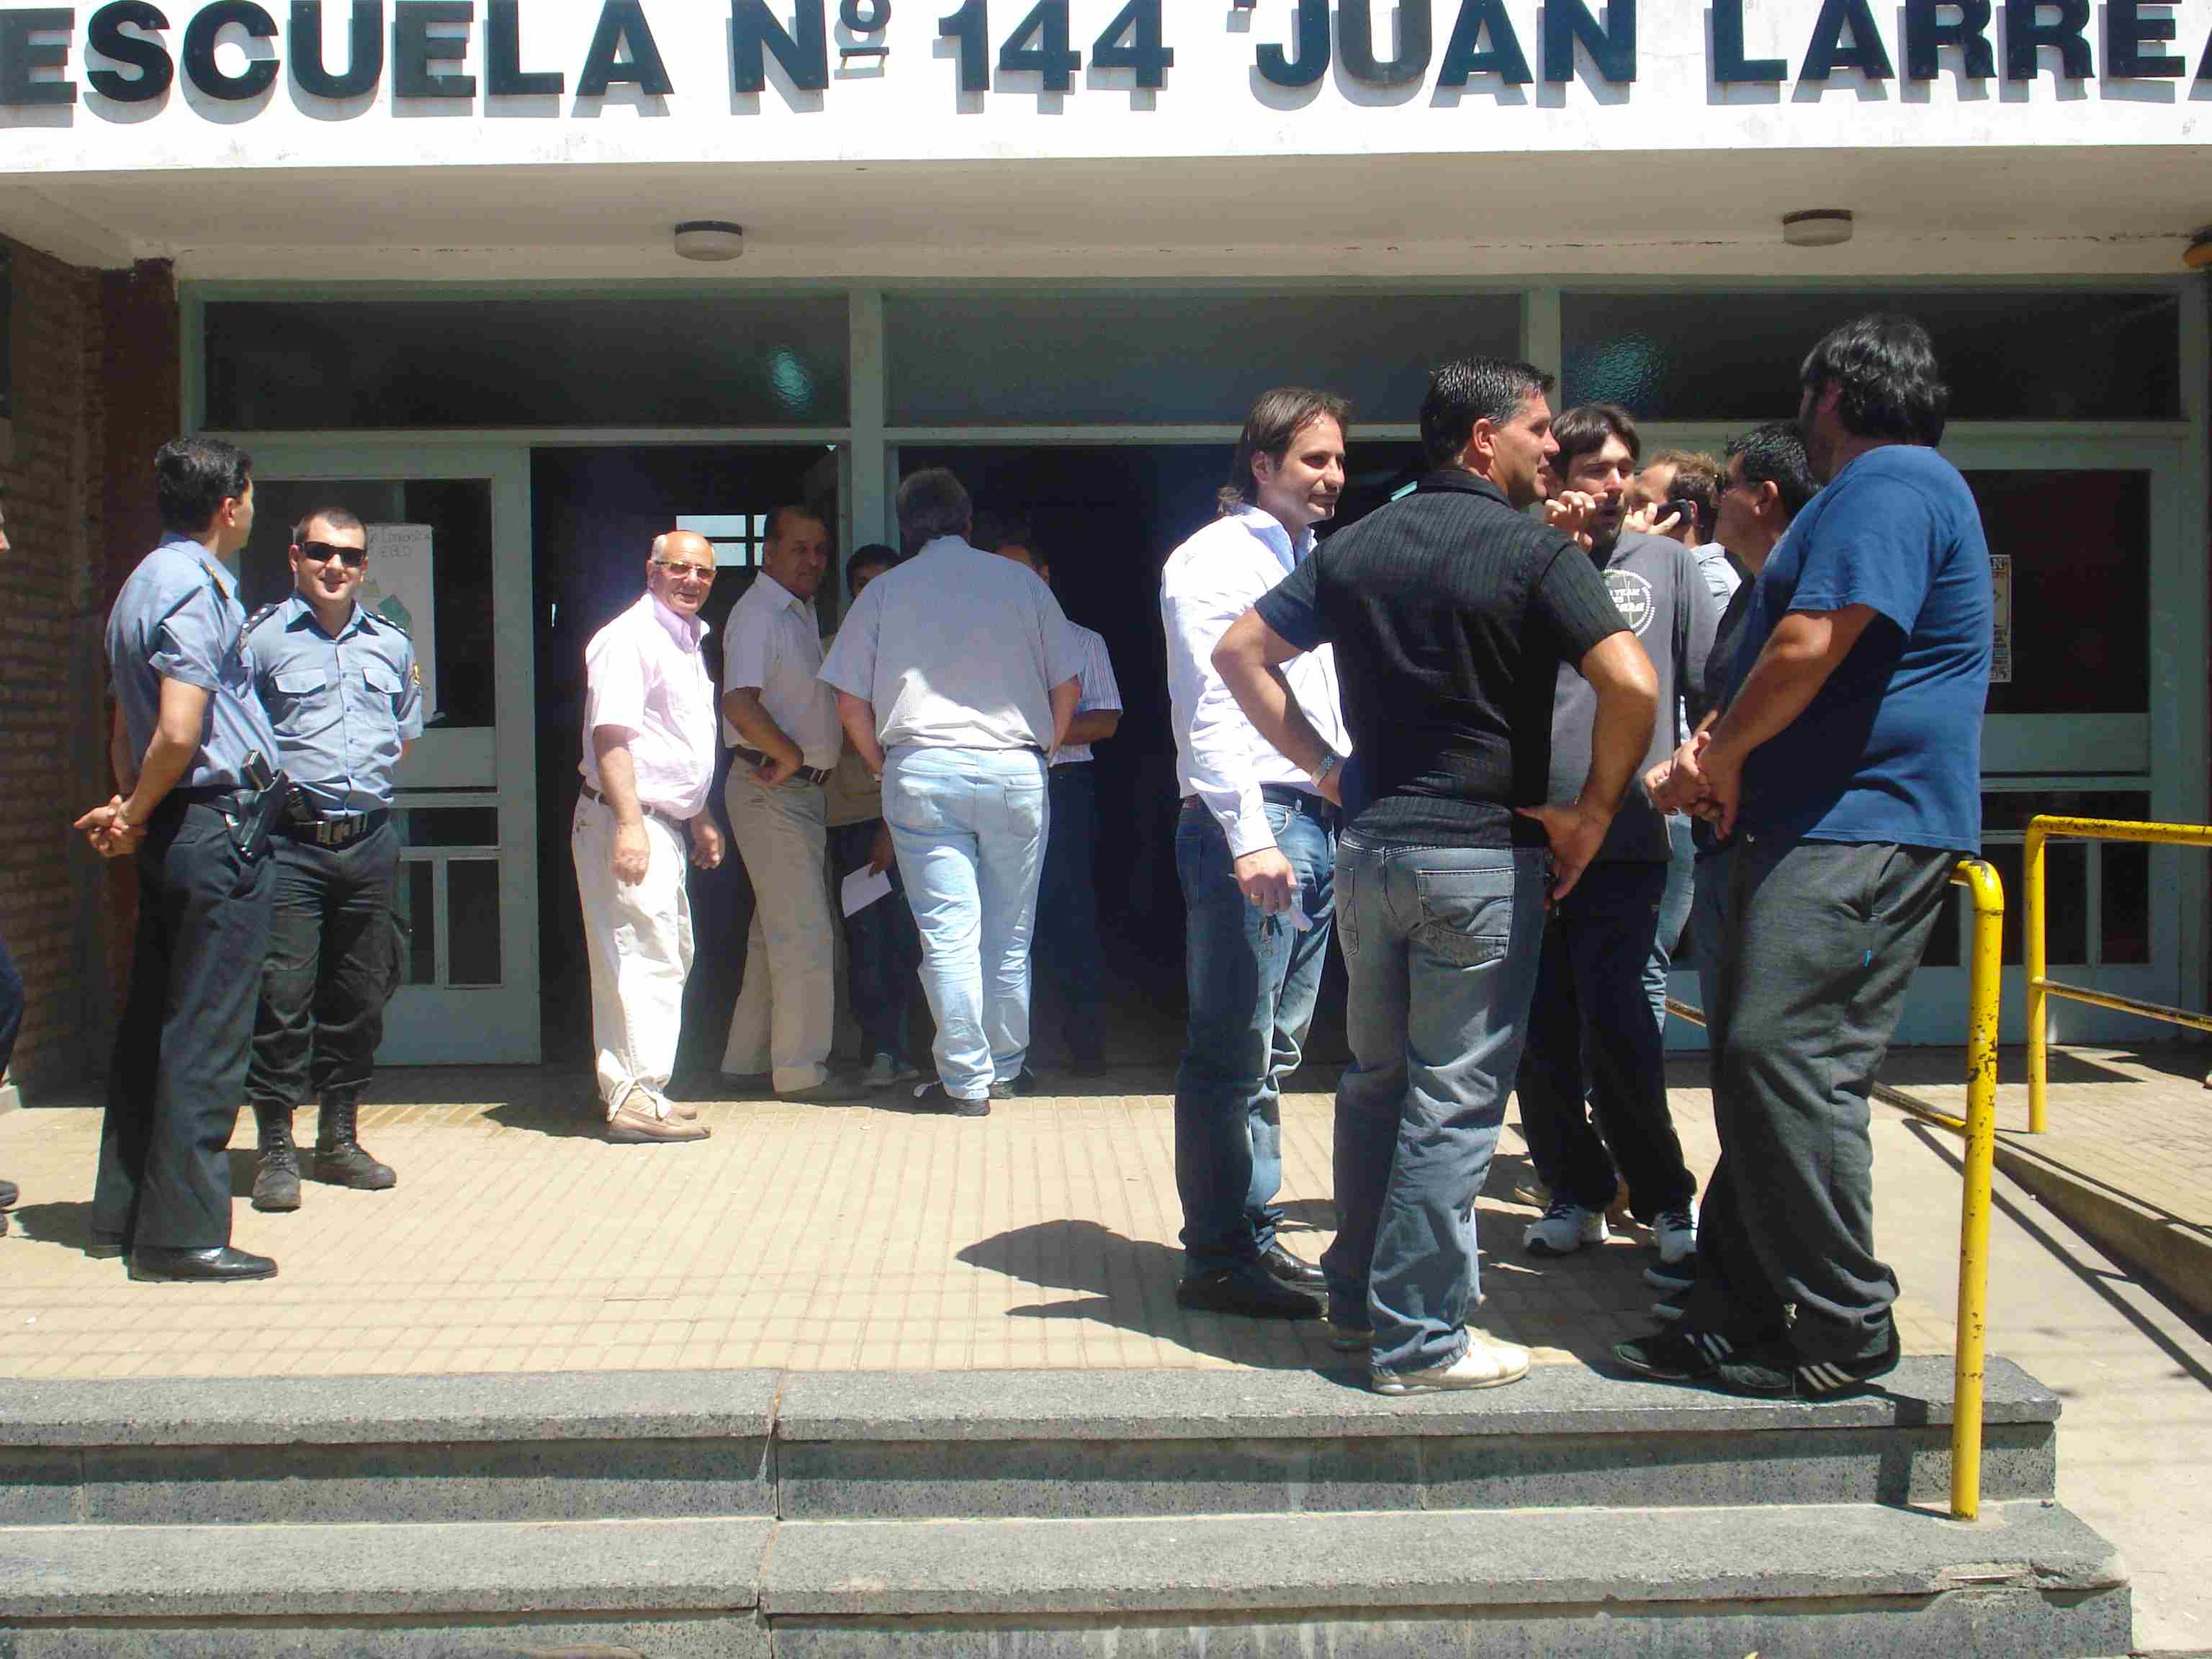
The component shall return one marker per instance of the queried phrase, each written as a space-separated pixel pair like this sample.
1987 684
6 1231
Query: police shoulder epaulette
383 620
263 615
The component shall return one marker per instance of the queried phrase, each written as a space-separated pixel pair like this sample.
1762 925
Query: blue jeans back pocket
1467 915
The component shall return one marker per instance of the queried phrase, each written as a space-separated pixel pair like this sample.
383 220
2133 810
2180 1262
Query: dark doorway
595 513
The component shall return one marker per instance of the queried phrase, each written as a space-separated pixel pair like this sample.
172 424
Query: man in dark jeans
1848 764
11 1021
1255 849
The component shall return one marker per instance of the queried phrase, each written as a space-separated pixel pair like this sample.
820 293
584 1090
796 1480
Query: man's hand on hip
1267 880
1575 835
633 855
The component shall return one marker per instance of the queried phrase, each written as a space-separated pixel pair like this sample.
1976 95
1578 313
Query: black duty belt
668 818
233 796
754 758
336 832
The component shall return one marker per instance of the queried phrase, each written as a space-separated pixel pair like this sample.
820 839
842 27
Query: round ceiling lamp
1817 228
711 240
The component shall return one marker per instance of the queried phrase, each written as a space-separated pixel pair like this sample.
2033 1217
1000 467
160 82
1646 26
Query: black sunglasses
321 552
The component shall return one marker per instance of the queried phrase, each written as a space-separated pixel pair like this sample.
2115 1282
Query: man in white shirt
780 723
956 676
1065 963
1255 849
648 768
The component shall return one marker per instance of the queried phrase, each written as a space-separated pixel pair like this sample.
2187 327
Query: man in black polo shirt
1450 611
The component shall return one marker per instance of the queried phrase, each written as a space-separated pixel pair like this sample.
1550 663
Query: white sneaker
1676 1235
1485 1365
1564 1228
885 1071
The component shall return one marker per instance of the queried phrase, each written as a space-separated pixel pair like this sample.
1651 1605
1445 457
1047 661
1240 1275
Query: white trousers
786 1020
639 940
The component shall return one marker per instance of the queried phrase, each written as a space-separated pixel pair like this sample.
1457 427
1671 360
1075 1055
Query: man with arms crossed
1848 764
341 688
1255 850
648 768
1451 611
781 722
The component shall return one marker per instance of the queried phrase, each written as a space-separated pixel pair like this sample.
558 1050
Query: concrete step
822 1445
2028 1581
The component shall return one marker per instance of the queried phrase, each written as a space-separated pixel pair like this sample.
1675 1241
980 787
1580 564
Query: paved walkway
1042 1236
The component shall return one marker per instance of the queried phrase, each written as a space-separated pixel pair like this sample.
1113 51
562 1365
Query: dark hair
194 476
782 510
933 503
1272 424
1587 426
1774 453
1697 480
338 517
995 529
1470 389
1885 369
875 553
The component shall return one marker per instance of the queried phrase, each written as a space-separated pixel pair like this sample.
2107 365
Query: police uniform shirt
178 617
342 707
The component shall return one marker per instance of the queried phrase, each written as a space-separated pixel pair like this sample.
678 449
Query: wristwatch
1328 764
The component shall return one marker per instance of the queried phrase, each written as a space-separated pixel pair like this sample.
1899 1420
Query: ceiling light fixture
712 240
1817 228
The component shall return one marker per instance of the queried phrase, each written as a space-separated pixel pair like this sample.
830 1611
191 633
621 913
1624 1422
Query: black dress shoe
935 1098
1286 1269
1023 1082
9 1193
154 1264
1248 1289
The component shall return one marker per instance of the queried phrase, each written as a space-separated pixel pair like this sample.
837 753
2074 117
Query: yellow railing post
1986 982
2032 944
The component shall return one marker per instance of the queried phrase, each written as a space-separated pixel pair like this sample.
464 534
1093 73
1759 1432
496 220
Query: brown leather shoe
633 1125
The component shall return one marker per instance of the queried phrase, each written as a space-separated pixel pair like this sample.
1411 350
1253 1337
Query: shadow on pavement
69 1225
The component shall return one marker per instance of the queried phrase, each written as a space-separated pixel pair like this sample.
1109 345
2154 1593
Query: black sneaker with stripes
1773 1370
1674 1356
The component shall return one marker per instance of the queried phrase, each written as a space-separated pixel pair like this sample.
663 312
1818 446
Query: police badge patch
1631 597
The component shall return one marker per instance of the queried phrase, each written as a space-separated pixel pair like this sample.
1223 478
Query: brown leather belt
668 818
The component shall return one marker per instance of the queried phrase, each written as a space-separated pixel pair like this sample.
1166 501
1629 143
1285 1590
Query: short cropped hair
783 510
194 476
1470 389
996 529
338 517
1587 426
1273 422
931 503
1697 480
875 555
1774 453
1885 369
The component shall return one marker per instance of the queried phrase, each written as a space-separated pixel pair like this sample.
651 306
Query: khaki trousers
786 1018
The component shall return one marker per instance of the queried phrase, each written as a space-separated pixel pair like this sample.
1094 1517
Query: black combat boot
340 1158
276 1177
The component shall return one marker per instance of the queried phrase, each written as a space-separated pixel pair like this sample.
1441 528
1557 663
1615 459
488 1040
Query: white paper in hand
863 888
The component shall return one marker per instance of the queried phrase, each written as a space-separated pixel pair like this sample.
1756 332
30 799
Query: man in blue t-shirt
1848 767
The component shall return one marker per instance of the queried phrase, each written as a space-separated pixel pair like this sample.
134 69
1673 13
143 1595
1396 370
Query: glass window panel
472 922
2009 354
2008 810
417 907
1944 948
2126 932
449 826
458 512
2080 546
644 360
2007 859
2065 902
997 359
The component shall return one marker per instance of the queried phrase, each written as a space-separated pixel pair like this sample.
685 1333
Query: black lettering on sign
200 66
148 57
1730 66
504 76
1355 26
1828 53
2127 29
971 27
803 50
1927 31
413 48
364 56
1132 42
2026 30
19 54
622 28
1464 58
1612 48
1312 60
1039 42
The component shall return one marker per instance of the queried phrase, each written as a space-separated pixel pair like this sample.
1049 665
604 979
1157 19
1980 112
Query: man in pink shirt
648 768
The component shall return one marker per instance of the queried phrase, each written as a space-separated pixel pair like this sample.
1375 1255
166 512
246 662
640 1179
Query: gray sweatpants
1817 943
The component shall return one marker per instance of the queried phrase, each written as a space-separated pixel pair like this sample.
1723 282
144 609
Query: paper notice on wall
397 585
2001 614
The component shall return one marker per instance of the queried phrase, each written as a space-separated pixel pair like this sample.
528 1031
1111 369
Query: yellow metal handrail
1979 1127
2040 986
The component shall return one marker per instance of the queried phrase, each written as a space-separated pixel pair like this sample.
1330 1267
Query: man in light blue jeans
957 675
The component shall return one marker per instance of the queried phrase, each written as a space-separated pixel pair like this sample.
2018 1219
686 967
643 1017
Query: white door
466 809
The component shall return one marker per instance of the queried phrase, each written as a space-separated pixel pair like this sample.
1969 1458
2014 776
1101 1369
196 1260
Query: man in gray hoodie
1591 1036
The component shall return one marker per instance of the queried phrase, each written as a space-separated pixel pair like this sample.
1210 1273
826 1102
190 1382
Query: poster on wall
2001 617
397 586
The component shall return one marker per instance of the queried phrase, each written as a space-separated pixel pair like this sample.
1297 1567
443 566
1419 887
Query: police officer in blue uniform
341 685
191 750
